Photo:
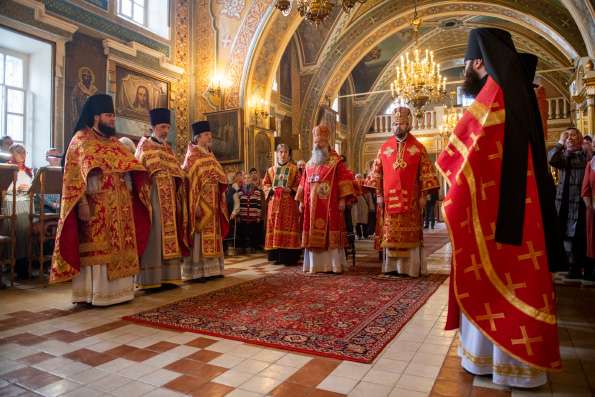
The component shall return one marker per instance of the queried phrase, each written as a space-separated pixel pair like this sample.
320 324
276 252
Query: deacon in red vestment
324 188
403 175
207 206
283 229
502 221
105 211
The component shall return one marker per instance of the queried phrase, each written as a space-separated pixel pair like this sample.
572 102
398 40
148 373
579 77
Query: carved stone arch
583 13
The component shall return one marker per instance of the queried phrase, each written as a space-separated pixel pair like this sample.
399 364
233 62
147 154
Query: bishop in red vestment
502 221
403 175
324 188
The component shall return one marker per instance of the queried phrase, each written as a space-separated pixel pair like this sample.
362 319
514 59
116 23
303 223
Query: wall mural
370 67
84 76
285 76
137 93
227 129
312 38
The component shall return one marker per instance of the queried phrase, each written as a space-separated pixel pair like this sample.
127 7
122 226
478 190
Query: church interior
263 74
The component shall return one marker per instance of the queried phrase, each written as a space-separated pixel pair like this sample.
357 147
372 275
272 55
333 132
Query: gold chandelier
314 11
418 80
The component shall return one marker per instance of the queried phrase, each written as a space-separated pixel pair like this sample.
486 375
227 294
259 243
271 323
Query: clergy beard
106 130
319 155
473 83
401 133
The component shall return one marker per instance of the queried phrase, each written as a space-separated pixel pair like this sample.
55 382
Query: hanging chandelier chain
417 79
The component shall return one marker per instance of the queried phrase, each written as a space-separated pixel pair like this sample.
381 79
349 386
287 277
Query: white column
549 109
557 108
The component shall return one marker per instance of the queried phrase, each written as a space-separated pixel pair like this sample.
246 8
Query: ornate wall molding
180 90
205 58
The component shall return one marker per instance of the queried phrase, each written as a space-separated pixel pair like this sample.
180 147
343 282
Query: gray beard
319 156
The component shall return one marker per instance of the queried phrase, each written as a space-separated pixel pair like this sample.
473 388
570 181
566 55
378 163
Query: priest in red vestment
324 188
403 175
105 211
502 221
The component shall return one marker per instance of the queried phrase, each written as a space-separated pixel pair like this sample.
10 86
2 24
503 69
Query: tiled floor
49 347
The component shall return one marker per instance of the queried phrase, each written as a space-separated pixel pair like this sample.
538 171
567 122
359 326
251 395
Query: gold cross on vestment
484 196
546 307
475 267
413 150
532 255
489 316
525 340
511 286
388 151
493 235
498 154
463 295
467 222
475 137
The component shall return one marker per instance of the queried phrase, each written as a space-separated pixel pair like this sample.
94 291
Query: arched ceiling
547 30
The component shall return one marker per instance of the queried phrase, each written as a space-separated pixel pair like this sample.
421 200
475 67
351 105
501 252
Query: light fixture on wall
314 11
418 80
260 107
217 87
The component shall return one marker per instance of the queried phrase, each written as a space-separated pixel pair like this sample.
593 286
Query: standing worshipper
569 158
283 234
251 213
588 194
207 206
403 175
324 189
105 212
502 221
161 261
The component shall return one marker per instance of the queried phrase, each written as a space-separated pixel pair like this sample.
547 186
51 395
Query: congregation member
52 201
250 227
283 234
161 262
5 143
324 189
18 157
105 212
570 159
502 221
588 146
403 175
359 209
207 208
588 195
430 210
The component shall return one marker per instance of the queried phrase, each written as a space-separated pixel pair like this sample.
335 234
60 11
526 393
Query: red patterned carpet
350 316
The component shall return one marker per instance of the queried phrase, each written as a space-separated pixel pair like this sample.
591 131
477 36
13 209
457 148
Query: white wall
38 134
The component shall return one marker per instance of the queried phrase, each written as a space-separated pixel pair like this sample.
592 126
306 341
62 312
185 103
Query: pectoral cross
399 163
